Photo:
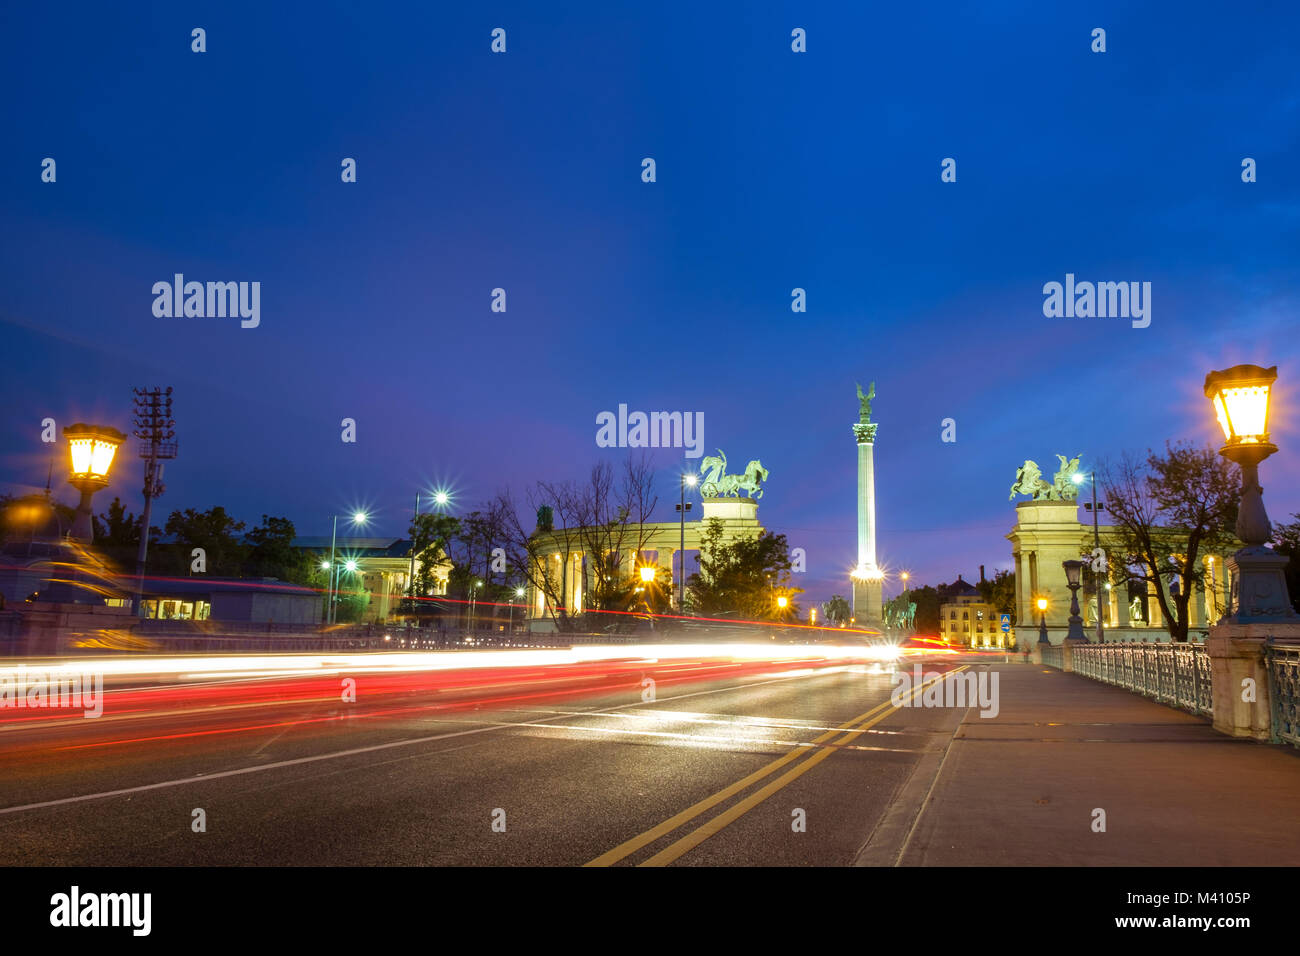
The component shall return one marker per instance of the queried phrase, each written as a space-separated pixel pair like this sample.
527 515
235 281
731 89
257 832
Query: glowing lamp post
1240 396
1042 621
92 449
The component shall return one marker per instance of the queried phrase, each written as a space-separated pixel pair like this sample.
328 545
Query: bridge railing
1284 691
1177 674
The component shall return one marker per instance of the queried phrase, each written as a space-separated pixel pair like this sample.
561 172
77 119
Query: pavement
1034 785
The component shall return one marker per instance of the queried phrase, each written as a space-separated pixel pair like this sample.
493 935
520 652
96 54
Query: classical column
868 598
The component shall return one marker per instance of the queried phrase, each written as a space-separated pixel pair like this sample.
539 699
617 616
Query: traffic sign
1006 623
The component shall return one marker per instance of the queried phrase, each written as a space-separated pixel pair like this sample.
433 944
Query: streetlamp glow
782 601
91 449
1241 398
1257 590
647 574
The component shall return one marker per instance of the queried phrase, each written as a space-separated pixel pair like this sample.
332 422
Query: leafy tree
1000 592
119 528
1286 540
216 532
928 600
431 538
1167 510
272 554
742 577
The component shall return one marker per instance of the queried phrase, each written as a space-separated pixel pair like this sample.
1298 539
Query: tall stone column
868 581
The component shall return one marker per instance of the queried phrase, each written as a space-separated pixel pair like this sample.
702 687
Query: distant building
380 566
968 619
243 600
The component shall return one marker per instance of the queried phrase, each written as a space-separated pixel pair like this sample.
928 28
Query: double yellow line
858 725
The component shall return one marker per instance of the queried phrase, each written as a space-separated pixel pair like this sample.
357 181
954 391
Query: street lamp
1042 622
1073 570
91 449
683 507
1258 585
1097 555
359 518
519 593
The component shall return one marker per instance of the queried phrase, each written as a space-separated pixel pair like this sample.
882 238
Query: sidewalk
1020 789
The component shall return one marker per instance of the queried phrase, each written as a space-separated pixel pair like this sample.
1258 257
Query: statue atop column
864 404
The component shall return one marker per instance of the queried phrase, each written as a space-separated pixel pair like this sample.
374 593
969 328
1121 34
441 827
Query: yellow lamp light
1241 399
647 574
92 449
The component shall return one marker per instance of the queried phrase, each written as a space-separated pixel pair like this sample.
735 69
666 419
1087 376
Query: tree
1286 540
1166 511
928 600
602 520
431 537
216 532
742 577
272 554
1000 592
837 610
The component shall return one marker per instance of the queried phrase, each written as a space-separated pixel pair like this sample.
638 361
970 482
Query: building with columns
657 543
1047 533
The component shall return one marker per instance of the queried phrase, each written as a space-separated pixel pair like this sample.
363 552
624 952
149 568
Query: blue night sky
775 170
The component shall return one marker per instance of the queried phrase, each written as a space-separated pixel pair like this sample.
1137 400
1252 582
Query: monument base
868 602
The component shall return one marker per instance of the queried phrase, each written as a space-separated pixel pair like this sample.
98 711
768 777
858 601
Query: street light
683 507
519 593
91 449
358 518
1073 571
1097 554
1241 402
1042 622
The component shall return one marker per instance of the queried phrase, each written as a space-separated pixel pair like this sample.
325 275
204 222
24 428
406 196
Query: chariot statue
716 483
1029 481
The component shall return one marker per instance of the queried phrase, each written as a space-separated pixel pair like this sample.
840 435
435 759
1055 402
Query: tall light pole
358 518
683 507
1042 622
1097 554
154 427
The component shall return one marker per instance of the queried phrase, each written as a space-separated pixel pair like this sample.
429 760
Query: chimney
981 574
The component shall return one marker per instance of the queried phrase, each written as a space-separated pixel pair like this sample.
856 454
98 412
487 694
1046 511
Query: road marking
693 839
628 847
352 752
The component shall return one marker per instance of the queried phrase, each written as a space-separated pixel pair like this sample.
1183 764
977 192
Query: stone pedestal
868 602
1047 533
1236 660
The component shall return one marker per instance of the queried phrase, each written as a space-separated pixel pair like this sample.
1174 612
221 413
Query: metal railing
1170 673
1053 656
1284 691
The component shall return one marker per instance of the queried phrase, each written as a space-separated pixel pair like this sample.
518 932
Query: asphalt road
718 769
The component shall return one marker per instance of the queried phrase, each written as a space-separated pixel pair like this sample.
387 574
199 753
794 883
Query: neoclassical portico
660 543
1047 533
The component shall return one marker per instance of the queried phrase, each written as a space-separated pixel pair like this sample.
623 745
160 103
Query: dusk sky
522 170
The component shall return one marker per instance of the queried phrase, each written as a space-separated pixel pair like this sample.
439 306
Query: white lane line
373 748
